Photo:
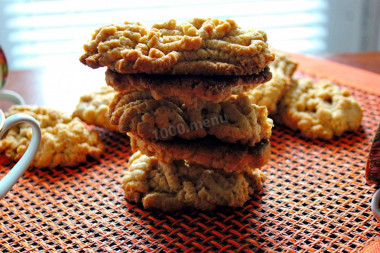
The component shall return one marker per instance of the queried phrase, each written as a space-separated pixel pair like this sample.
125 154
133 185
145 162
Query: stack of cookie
198 140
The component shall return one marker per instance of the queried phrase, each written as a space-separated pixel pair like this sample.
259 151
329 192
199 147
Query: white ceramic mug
22 165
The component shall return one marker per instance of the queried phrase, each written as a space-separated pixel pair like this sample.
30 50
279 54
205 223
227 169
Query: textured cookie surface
178 185
65 141
235 120
269 94
208 151
319 109
188 88
195 47
93 108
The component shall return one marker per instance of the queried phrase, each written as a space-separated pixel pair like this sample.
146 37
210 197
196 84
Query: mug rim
2 119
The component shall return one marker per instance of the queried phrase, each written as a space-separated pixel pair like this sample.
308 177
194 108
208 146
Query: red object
373 164
3 68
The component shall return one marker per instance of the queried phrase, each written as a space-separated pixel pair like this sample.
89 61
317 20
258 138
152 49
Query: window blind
37 33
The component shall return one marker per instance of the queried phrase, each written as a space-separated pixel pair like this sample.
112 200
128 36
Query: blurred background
39 33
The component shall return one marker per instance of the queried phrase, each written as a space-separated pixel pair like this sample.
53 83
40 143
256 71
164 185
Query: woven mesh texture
315 200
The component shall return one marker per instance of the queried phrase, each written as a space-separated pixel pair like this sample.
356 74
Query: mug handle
22 165
12 96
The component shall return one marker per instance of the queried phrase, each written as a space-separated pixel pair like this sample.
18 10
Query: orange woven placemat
315 200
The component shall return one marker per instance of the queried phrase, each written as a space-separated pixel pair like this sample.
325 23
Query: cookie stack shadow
198 140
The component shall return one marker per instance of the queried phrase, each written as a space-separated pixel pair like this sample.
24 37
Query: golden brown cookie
319 109
235 120
188 88
93 108
269 94
65 141
208 151
195 47
179 185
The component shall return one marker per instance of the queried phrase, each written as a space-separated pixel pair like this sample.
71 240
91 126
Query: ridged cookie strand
270 93
178 185
93 108
195 47
234 120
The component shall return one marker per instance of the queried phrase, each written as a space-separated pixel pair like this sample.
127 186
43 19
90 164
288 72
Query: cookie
319 109
208 151
179 185
188 88
235 120
270 93
195 47
93 108
65 140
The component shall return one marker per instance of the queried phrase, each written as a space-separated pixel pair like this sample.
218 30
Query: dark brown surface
369 60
